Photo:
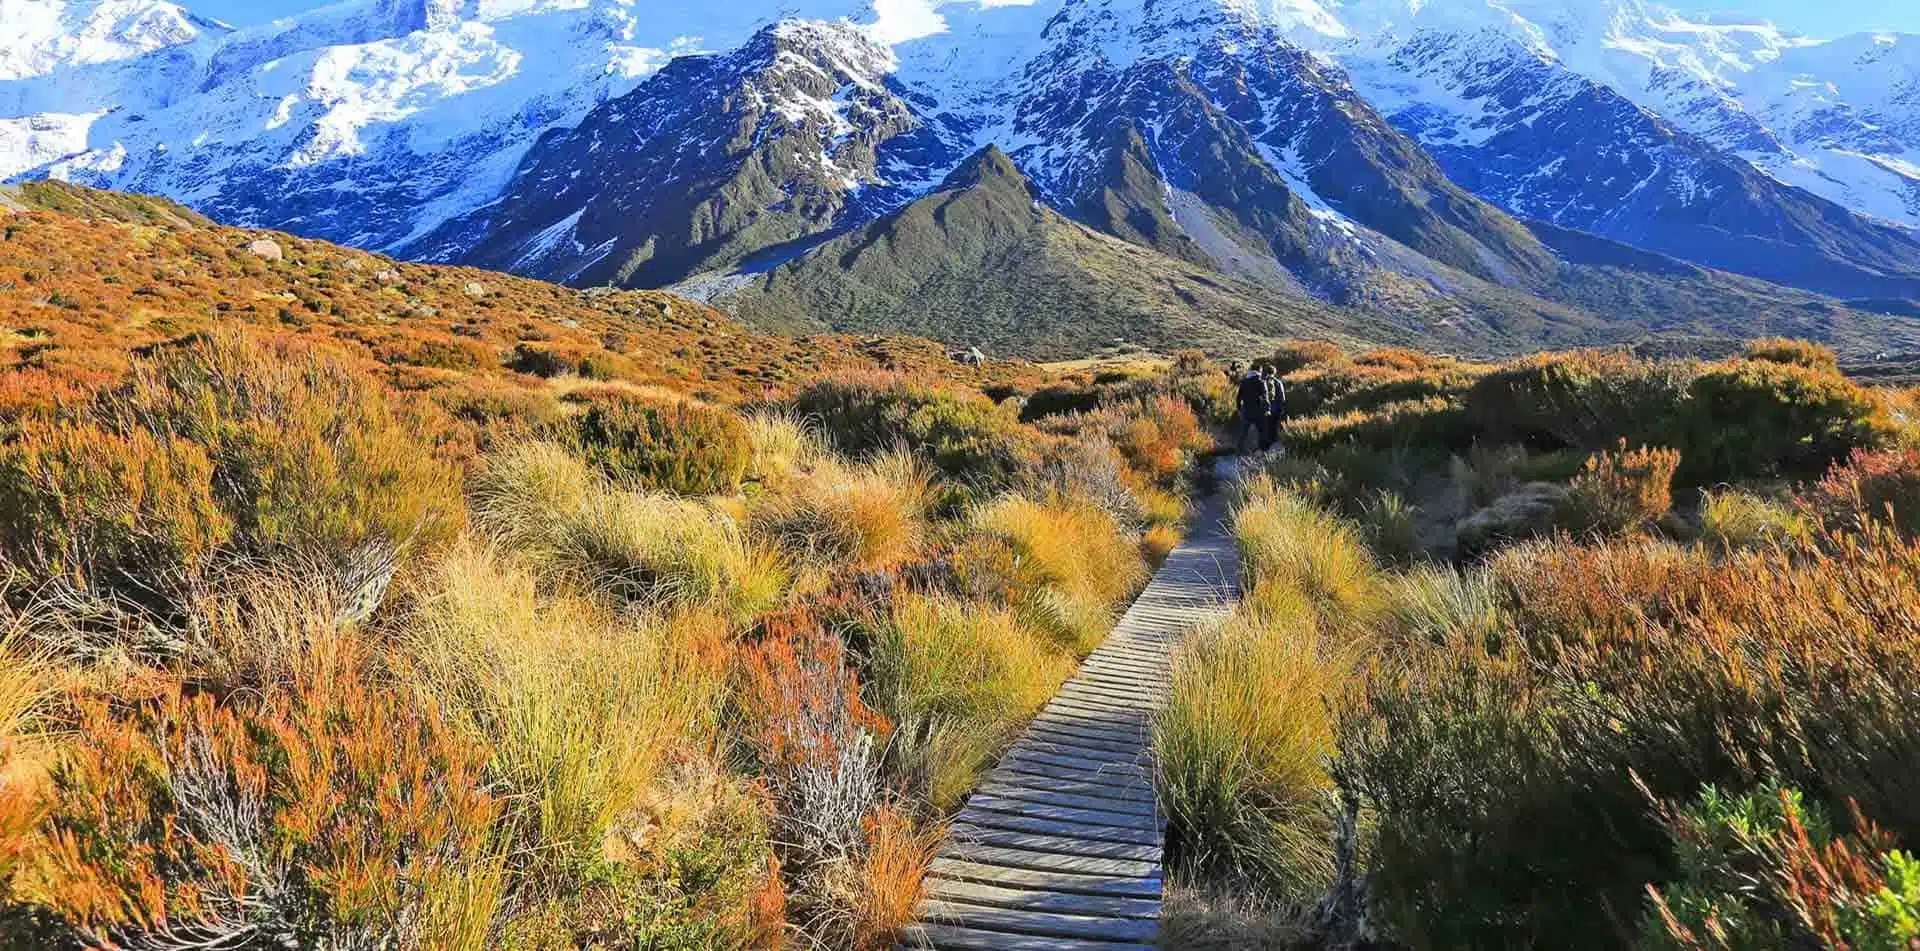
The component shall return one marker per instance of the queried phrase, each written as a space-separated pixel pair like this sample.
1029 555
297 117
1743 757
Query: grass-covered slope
87 277
982 261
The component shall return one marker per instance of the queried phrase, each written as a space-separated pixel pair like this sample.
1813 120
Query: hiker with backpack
1255 405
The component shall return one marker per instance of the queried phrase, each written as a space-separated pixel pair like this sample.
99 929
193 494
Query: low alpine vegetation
292 657
1628 661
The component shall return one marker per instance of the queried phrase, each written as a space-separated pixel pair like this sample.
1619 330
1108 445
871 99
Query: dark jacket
1253 396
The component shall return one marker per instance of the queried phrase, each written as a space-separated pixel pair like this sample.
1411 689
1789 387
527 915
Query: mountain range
1041 177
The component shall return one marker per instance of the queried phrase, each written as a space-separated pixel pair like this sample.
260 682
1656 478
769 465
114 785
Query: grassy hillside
87 277
981 262
353 604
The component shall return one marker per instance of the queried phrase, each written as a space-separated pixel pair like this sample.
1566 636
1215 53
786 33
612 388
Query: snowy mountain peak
42 36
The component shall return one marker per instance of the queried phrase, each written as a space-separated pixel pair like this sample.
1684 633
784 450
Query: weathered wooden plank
1067 882
1026 899
1077 746
1015 822
1044 861
1129 723
1106 784
1122 730
952 938
1050 734
1092 708
1039 923
1028 793
1059 845
1063 813
1053 782
1128 767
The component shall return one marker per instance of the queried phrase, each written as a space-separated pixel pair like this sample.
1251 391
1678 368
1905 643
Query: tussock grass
549 505
580 707
957 677
1245 741
1242 747
1289 546
1733 519
783 444
864 516
1078 566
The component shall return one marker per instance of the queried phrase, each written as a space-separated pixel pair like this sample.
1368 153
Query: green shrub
1501 769
1768 870
1621 490
1803 353
968 438
554 359
675 446
1751 420
1584 399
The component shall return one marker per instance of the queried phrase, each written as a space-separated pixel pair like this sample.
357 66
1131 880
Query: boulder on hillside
266 249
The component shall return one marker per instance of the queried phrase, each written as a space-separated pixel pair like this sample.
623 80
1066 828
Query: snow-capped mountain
1361 152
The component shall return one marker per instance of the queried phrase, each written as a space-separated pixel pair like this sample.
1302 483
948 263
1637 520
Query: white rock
266 249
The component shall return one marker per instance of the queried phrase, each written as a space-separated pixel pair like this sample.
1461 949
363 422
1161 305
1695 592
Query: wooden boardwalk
1059 848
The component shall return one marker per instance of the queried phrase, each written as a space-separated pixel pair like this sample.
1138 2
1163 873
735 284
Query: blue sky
1813 17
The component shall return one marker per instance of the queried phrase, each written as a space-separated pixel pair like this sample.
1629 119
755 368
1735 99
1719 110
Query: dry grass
547 504
581 708
863 516
891 873
1079 566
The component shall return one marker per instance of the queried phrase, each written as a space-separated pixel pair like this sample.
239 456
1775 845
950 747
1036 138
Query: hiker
1276 404
1233 373
1254 406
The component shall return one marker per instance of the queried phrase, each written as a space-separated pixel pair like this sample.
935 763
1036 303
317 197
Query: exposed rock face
716 159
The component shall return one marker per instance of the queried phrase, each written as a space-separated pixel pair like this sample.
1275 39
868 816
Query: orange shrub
1621 490
1803 353
1872 486
222 445
336 813
1294 355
